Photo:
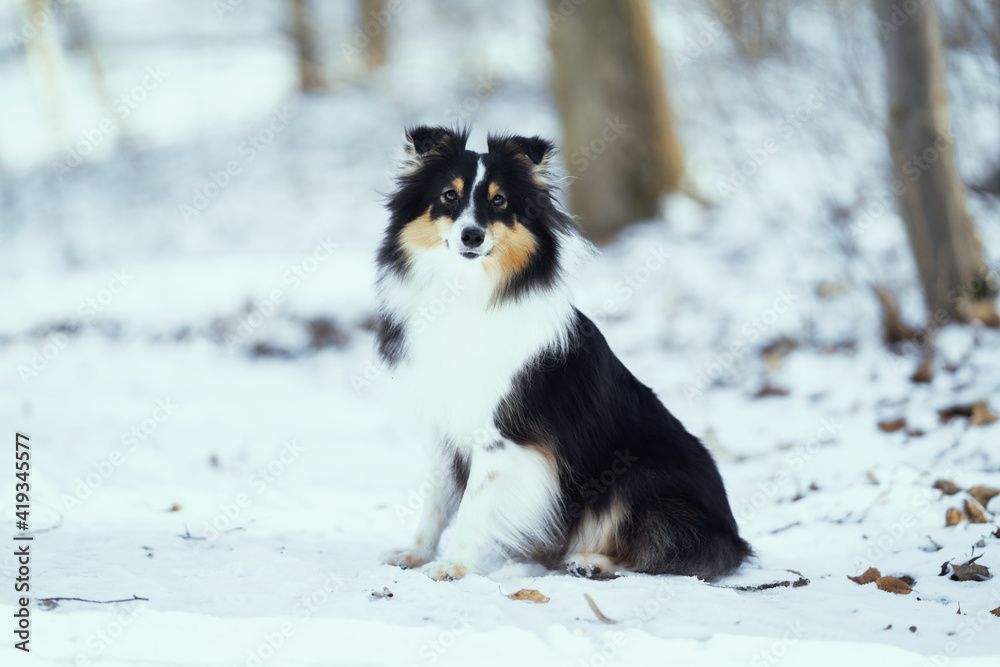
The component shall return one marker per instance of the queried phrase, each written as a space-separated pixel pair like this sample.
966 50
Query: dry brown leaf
995 612
176 508
768 390
970 571
827 289
892 425
978 413
946 487
778 350
975 512
893 585
530 595
983 494
953 517
981 414
867 577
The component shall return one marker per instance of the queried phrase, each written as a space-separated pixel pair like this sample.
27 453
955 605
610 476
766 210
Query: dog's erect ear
423 141
539 153
534 148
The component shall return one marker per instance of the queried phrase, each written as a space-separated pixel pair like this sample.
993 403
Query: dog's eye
450 195
499 201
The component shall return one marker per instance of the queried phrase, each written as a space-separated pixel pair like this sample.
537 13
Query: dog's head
495 209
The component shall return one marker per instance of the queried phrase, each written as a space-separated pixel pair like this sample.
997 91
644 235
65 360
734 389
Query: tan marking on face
512 250
493 189
425 234
458 184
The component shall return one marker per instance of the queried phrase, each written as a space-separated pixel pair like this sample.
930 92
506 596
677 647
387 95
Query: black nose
472 237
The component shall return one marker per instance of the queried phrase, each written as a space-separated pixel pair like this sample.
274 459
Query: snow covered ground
207 418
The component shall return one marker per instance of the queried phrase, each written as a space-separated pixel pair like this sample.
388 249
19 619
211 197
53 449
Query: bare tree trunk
376 53
45 57
619 139
309 55
945 245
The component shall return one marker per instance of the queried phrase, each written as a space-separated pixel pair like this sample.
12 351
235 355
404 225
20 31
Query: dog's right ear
423 142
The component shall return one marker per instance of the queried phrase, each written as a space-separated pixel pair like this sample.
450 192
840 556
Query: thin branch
601 617
51 602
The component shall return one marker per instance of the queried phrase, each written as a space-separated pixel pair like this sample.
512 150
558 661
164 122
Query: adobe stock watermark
33 24
711 30
587 153
786 128
247 151
923 501
632 282
259 482
131 439
431 651
915 167
303 610
794 461
752 330
421 317
900 14
371 27
101 640
261 310
123 106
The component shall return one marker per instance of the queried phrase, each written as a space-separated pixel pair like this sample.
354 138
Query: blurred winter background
797 204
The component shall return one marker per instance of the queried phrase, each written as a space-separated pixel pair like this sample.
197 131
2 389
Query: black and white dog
547 447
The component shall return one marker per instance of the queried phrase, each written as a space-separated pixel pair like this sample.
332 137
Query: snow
289 473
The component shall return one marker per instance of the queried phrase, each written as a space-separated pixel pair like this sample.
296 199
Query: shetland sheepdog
546 448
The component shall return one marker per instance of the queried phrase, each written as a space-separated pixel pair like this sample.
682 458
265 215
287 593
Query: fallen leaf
892 425
867 577
778 350
913 628
983 494
176 508
981 414
970 571
827 289
953 517
995 612
975 512
768 390
946 487
530 595
893 585
978 413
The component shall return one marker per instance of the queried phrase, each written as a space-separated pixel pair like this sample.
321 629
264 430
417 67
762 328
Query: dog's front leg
436 511
509 506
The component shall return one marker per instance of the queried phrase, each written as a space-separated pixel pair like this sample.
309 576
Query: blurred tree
758 27
944 242
307 48
375 12
45 58
619 139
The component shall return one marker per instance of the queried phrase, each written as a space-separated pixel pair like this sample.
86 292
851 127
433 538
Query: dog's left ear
539 152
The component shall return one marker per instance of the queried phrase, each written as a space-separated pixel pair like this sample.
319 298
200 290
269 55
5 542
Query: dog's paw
444 570
590 566
405 558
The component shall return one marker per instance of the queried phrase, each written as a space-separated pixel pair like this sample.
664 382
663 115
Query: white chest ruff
462 354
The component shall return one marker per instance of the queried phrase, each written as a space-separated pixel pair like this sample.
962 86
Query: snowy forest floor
208 433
